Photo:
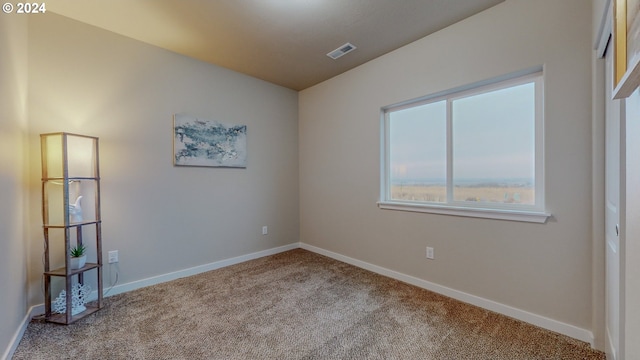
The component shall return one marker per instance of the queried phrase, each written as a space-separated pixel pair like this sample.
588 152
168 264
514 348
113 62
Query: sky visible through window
493 138
418 144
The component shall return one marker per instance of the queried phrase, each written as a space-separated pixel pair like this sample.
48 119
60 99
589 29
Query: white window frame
517 212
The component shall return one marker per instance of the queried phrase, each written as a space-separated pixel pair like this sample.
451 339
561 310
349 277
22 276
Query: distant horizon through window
479 147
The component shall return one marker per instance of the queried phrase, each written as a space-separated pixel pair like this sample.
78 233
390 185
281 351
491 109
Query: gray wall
13 127
161 218
544 269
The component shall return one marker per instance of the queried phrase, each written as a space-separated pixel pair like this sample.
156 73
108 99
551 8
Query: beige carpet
294 305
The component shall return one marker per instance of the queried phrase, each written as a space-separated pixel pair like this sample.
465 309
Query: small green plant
78 251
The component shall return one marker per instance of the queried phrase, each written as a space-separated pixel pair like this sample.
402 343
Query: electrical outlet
265 230
113 256
430 253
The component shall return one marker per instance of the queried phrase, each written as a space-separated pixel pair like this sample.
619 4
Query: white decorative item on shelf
79 296
75 211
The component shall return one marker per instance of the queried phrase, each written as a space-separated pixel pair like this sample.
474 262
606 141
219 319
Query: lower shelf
63 271
62 318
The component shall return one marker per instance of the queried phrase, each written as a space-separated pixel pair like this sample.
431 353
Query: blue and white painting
200 142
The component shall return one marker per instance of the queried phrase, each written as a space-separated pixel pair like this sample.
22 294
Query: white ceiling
281 41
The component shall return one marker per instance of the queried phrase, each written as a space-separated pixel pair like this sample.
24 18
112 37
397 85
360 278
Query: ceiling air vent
342 50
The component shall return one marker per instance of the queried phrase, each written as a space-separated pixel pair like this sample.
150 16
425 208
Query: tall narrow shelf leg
99 261
69 299
47 278
47 296
79 240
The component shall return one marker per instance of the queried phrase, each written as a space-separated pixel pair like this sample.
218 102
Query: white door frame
614 211
629 213
614 201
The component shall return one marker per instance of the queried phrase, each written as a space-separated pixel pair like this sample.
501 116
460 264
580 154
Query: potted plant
78 256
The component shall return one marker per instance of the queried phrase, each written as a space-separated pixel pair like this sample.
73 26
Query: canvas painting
201 142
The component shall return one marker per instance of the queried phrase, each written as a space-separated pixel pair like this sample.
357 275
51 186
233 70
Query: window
476 151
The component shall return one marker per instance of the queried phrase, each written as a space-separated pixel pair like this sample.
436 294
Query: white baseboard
13 344
541 321
118 289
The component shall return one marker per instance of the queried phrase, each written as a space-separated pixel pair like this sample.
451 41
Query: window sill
499 214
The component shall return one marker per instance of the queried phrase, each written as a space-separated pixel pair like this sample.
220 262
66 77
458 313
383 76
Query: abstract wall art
201 142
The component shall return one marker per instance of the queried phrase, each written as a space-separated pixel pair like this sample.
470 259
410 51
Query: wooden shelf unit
70 167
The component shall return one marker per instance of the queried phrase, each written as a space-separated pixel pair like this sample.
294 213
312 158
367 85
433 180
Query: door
613 112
